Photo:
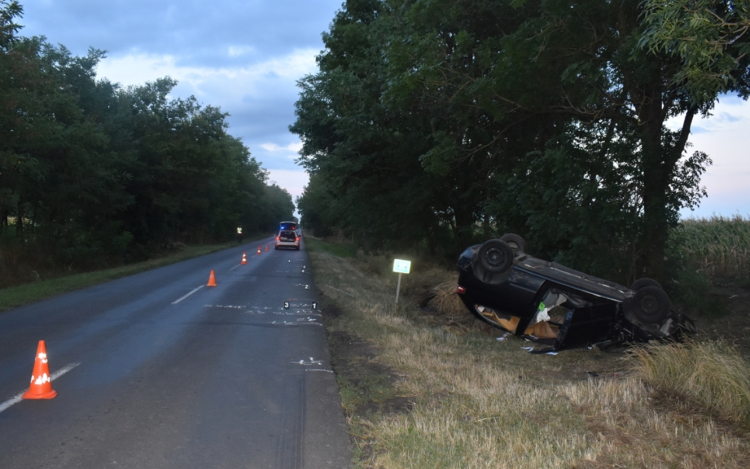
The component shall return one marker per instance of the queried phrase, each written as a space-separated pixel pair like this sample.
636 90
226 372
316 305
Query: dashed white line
235 266
183 297
17 398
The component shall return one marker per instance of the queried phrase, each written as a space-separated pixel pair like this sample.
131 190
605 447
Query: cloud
246 80
272 147
293 181
724 137
258 96
192 30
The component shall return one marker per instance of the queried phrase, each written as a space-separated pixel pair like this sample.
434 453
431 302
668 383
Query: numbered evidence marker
315 305
402 267
307 287
286 305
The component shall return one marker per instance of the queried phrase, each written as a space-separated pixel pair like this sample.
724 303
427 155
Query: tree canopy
447 122
91 172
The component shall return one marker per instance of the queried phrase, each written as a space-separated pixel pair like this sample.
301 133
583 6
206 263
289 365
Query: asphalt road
150 375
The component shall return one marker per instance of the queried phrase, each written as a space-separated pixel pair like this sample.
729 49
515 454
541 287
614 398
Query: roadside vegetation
446 123
425 385
718 248
96 175
44 288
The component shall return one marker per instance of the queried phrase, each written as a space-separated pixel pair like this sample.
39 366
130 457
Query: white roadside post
402 267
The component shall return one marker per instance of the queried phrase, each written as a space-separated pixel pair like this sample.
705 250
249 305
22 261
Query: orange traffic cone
211 280
259 250
41 381
244 259
266 248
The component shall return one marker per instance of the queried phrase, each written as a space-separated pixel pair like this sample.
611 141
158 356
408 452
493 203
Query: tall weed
712 374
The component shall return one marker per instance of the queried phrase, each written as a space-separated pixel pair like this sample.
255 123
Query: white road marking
307 363
17 398
182 298
235 266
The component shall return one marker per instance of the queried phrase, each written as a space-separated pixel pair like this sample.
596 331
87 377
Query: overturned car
561 307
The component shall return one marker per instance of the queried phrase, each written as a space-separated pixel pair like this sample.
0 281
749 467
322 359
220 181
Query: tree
710 37
91 173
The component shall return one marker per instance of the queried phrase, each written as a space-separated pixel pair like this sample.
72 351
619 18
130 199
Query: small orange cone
211 280
244 259
259 250
266 248
41 381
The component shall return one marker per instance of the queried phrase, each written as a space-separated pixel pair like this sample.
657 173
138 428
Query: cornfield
718 247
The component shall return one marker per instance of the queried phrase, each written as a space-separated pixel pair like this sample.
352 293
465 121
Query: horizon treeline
443 123
92 173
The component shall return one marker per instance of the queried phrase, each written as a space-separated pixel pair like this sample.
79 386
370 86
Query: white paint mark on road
17 398
235 266
182 298
319 369
312 361
287 323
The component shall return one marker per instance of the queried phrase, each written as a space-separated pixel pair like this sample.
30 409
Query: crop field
425 385
718 247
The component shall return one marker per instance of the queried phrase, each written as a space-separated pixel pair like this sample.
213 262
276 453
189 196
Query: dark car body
559 306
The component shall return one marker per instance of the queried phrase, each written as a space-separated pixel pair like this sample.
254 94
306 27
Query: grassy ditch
24 294
425 385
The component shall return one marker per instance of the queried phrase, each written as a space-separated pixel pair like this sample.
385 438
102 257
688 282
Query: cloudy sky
245 56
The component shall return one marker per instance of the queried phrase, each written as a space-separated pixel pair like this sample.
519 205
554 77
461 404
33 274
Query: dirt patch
682 409
367 386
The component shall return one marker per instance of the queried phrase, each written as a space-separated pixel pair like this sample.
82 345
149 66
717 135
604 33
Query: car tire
650 305
495 256
516 243
644 282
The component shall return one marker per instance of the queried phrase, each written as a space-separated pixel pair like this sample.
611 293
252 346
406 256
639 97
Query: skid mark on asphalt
289 451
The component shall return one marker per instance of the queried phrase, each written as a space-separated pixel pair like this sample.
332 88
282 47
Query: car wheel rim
495 257
649 305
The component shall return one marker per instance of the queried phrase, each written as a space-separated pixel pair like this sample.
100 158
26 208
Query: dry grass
482 403
711 373
446 300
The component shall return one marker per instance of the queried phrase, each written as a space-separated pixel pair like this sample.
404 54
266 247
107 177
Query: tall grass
711 373
719 247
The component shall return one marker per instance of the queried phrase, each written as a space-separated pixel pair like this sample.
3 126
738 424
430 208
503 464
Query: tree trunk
659 163
19 219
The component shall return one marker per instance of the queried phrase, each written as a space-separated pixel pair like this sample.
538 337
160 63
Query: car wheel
516 243
650 304
495 256
644 282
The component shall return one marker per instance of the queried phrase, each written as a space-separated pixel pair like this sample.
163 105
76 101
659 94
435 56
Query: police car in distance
287 239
